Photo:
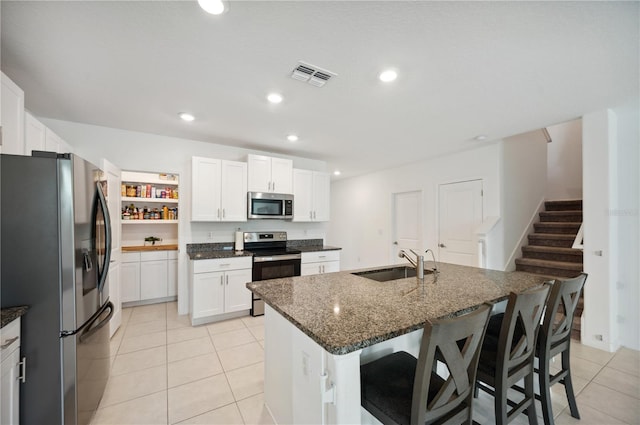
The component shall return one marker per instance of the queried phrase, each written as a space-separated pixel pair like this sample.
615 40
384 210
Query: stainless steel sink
392 273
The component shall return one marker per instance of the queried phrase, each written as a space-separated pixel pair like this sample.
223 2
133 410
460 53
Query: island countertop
343 312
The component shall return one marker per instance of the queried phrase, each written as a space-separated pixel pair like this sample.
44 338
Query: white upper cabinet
311 195
34 134
233 191
205 189
267 174
12 117
38 137
219 190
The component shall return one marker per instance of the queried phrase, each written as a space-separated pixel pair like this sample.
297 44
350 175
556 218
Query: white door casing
460 214
407 223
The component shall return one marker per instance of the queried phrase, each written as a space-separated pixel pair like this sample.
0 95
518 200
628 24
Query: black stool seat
387 386
400 389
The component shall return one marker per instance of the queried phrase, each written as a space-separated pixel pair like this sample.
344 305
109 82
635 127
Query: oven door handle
276 258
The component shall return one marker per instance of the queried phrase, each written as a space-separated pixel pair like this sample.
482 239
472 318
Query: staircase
549 252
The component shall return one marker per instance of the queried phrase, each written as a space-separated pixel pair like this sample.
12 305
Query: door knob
395 242
442 245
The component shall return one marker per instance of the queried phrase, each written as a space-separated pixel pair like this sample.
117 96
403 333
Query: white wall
599 328
361 207
524 184
564 161
626 217
135 151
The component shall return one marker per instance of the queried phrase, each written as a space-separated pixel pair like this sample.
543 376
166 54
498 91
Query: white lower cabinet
319 262
148 275
218 286
10 375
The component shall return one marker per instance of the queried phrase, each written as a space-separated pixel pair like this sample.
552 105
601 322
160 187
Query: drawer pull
23 370
225 265
9 342
322 256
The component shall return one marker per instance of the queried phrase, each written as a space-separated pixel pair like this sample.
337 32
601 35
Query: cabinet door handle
218 212
23 370
227 279
323 269
274 186
9 342
310 215
221 280
223 213
314 215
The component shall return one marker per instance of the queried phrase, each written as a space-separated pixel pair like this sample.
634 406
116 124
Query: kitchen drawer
153 255
130 257
10 338
222 264
318 256
172 255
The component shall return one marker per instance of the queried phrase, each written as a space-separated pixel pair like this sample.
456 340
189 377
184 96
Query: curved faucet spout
435 263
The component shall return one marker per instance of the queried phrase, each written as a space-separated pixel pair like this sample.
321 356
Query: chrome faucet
417 264
435 263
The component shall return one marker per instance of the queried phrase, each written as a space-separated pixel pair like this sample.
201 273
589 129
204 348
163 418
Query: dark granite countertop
208 255
343 312
315 248
9 314
205 251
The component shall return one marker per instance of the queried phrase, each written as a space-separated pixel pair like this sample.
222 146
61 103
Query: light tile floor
165 371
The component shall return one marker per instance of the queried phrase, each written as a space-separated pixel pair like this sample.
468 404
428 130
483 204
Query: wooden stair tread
549 264
552 249
562 236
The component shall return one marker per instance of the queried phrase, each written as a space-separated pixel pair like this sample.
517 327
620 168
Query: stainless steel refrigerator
55 244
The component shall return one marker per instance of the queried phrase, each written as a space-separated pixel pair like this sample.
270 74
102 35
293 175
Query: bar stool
509 357
400 389
554 339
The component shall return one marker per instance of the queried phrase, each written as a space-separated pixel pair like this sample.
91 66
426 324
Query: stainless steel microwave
261 205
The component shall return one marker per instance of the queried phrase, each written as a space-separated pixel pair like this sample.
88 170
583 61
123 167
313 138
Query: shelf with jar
149 199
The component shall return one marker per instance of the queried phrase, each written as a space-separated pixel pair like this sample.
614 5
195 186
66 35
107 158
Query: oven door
265 268
272 268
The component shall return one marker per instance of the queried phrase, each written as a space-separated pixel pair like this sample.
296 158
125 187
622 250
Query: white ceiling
465 68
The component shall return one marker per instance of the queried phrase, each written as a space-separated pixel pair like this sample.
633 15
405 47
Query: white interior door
460 214
407 223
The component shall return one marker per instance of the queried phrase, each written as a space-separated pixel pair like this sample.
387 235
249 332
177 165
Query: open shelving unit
134 231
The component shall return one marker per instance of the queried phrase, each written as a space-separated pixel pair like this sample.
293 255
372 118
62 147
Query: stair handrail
578 242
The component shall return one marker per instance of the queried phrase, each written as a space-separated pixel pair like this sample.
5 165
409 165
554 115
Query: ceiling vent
311 74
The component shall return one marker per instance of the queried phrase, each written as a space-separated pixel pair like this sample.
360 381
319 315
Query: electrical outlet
598 337
210 236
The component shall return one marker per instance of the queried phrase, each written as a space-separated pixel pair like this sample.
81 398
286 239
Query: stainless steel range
271 260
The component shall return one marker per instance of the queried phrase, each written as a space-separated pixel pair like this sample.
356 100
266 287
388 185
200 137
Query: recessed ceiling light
274 97
336 173
480 137
215 7
388 75
186 116
292 138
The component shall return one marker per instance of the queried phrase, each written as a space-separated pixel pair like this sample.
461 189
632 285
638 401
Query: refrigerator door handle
90 329
91 321
102 204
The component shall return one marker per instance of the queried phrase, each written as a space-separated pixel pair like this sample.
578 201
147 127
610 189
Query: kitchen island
320 328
